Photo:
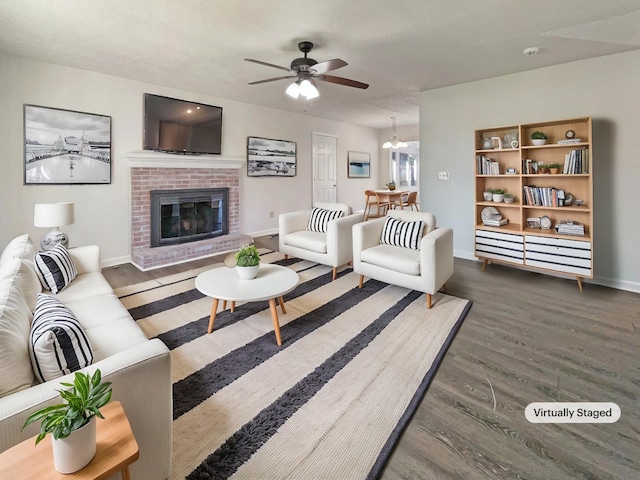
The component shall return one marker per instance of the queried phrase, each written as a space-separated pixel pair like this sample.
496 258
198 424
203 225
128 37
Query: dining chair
373 201
410 200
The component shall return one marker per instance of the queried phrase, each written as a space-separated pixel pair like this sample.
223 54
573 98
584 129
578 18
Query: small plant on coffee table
248 256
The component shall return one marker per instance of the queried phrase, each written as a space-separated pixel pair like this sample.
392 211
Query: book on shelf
495 223
570 228
576 162
569 141
486 166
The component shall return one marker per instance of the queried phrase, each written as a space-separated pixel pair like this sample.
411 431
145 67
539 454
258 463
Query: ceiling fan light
308 89
293 90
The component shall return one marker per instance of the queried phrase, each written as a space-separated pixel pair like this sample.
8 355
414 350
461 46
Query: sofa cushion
108 325
402 234
21 247
15 317
22 272
398 259
58 344
320 218
85 285
313 241
55 268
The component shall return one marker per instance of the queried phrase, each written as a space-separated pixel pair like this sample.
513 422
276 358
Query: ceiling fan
305 70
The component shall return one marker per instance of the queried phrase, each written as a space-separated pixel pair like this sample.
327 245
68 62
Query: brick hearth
157 171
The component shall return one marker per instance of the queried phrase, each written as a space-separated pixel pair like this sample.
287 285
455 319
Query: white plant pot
498 197
509 200
488 196
247 273
539 141
77 450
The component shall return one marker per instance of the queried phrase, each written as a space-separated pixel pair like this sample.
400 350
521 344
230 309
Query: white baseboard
264 233
111 262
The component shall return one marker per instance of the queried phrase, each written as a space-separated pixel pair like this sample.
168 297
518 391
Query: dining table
394 197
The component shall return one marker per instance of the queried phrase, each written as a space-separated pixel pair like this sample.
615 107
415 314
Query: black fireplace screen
179 216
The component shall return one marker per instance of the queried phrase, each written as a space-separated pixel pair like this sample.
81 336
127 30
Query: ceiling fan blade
271 79
342 81
334 64
268 64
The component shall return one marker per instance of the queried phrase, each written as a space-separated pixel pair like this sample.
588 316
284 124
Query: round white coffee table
272 282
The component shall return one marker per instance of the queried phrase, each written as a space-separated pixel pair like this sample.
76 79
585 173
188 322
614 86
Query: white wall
103 211
604 88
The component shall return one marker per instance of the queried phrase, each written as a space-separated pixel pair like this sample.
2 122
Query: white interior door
324 168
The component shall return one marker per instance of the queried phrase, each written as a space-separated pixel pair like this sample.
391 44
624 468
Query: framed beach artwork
66 147
271 158
358 165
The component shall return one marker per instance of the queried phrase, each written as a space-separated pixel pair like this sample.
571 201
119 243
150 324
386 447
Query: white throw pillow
55 268
20 247
320 218
402 234
58 344
15 317
24 274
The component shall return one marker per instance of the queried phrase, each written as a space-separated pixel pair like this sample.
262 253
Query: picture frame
358 164
66 147
267 157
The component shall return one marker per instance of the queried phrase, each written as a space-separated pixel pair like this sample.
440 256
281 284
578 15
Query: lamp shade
53 214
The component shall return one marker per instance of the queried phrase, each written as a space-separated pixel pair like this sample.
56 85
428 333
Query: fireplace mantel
150 159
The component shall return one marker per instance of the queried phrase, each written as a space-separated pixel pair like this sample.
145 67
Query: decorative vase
247 273
74 452
538 141
498 197
488 196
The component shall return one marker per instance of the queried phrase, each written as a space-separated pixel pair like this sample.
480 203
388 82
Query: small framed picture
267 157
358 164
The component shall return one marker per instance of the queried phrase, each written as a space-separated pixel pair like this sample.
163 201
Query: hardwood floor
528 338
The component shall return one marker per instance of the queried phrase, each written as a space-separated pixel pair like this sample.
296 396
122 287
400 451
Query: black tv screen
180 126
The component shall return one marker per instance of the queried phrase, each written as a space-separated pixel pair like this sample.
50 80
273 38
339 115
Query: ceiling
399 47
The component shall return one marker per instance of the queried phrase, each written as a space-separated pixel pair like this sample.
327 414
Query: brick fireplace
160 171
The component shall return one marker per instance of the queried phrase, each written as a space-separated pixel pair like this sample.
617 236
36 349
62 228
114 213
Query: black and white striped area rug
329 404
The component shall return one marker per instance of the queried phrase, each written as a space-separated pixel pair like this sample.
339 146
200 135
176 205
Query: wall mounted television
179 126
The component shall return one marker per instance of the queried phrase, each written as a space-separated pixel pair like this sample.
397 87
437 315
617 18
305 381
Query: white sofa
425 270
332 248
139 368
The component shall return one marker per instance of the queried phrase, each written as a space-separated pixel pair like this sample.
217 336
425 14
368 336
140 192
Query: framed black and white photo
271 158
358 165
66 147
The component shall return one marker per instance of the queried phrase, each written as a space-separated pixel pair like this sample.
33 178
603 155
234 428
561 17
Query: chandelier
394 140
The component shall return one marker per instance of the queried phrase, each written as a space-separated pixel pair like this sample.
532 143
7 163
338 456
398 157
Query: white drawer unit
559 254
500 246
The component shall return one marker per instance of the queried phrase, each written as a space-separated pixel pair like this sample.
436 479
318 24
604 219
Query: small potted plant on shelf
498 195
542 168
538 138
508 198
554 168
73 424
247 262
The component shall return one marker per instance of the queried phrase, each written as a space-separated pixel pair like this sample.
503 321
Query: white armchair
332 248
425 270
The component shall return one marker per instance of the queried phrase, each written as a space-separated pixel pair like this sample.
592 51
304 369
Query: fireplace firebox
187 215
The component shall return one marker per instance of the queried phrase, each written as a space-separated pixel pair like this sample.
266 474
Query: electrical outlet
443 175
271 214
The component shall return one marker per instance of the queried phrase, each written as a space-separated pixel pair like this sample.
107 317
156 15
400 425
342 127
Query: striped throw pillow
55 268
57 343
320 218
402 234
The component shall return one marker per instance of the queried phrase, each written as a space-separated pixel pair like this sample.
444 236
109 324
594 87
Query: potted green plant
554 168
498 195
509 198
542 168
72 424
247 262
538 138
391 185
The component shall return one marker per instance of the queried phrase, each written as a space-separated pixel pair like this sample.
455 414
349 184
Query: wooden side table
116 450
